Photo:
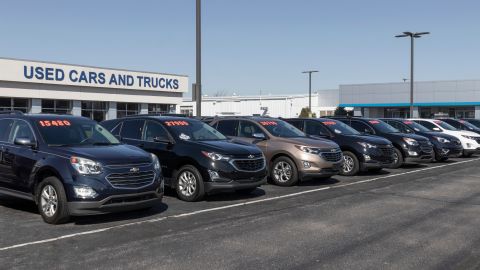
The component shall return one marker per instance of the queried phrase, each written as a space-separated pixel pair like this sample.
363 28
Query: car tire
467 155
398 160
438 158
189 184
351 165
52 201
284 172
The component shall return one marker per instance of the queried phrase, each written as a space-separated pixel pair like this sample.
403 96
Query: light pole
412 36
310 88
198 84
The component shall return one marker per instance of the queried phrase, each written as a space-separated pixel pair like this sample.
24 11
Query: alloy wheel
187 183
282 171
49 201
348 164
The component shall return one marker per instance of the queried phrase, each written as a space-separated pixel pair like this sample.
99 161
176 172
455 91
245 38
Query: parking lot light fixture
310 88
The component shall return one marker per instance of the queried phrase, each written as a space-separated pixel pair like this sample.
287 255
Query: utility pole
412 36
310 88
198 77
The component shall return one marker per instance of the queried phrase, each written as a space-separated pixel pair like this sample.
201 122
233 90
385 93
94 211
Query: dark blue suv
71 165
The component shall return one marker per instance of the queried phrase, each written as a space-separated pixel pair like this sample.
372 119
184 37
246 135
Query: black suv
196 159
461 124
444 145
408 148
360 152
72 166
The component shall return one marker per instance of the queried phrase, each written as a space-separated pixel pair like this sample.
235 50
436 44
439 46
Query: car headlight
410 141
84 192
310 150
442 140
367 145
215 156
85 166
155 161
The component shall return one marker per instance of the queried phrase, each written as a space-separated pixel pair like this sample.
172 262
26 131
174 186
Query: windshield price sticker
374 122
408 122
329 123
268 123
55 123
176 123
437 121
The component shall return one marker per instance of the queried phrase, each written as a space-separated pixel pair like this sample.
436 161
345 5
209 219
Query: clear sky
252 45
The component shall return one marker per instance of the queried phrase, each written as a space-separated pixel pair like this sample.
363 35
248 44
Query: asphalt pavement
418 217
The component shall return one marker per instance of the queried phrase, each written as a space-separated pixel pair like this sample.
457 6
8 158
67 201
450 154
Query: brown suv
291 155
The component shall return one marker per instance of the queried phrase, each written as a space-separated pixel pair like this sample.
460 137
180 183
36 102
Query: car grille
249 165
426 146
386 154
332 156
131 179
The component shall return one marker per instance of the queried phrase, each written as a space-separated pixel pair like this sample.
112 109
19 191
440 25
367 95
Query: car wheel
52 201
397 158
438 158
189 185
467 154
351 165
284 172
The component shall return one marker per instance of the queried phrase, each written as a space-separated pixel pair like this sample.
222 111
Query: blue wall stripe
420 104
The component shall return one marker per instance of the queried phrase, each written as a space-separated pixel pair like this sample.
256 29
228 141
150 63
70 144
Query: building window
95 110
15 104
160 108
56 106
125 109
188 111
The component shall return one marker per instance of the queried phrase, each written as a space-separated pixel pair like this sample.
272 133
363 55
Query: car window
132 129
297 123
5 127
116 130
21 129
430 126
154 130
227 127
316 128
399 126
247 129
361 127
453 123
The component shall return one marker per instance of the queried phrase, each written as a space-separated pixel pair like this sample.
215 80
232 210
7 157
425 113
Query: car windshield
416 126
469 125
279 128
193 130
473 122
383 127
444 125
74 132
338 127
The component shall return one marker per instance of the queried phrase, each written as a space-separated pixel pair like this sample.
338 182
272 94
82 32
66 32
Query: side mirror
259 136
25 142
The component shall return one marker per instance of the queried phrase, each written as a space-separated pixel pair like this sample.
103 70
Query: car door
132 131
5 155
20 159
300 124
315 128
246 131
228 128
158 141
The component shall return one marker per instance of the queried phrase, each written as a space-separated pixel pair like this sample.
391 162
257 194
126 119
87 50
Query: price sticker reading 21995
54 123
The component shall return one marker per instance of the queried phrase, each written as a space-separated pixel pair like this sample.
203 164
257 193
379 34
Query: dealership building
97 93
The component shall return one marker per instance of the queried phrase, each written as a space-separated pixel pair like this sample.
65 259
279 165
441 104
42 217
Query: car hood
319 143
227 147
409 135
107 154
370 139
462 132
437 134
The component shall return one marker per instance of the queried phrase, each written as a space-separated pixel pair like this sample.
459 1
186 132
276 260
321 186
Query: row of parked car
72 165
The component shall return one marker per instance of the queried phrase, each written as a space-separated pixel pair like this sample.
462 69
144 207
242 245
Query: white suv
470 140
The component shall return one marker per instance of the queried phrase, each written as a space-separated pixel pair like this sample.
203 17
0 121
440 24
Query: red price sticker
329 123
462 121
374 122
176 123
437 121
54 123
268 123
408 122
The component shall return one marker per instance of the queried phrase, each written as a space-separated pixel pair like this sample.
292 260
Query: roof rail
16 112
157 114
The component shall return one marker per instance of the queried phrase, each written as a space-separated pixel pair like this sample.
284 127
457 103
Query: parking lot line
227 206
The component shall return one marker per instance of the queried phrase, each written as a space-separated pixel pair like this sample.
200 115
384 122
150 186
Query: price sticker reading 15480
54 123
268 123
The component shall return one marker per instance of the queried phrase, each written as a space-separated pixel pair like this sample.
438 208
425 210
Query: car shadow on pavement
317 182
18 204
234 196
122 216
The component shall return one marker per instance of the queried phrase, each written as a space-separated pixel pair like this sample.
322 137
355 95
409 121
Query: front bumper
221 185
319 173
471 151
444 152
374 164
116 203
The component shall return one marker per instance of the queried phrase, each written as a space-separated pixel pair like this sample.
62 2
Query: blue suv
72 166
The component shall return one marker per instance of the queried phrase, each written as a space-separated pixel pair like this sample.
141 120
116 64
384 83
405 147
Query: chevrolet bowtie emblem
134 170
251 156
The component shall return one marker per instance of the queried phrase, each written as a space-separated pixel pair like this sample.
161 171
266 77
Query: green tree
306 113
340 111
